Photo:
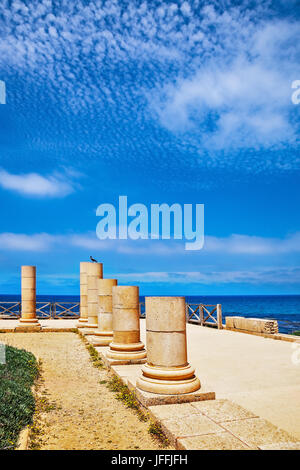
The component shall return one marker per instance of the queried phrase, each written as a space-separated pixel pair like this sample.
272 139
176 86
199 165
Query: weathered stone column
104 332
126 344
94 272
167 370
83 294
28 297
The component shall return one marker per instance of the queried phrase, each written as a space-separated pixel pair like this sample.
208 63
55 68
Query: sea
283 308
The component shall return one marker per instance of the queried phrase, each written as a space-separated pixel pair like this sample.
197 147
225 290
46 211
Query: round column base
120 347
126 352
105 333
168 387
29 320
82 322
168 380
101 340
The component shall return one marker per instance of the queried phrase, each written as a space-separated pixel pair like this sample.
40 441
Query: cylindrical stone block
28 296
167 370
83 294
126 344
94 272
104 332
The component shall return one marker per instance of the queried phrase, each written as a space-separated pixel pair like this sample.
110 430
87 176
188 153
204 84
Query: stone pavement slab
222 410
151 399
258 432
216 441
218 424
281 446
187 426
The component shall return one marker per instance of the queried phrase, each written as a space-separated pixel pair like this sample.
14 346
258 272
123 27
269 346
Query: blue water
283 308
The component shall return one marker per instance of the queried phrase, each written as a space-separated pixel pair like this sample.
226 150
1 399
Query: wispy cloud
37 185
268 275
23 242
234 244
253 245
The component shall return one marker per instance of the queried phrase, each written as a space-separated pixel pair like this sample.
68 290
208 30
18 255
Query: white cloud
268 275
246 102
253 245
23 242
34 184
237 96
235 244
88 241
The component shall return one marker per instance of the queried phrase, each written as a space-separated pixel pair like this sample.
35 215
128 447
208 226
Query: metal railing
204 315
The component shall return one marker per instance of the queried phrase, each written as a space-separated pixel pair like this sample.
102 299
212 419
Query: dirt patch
80 412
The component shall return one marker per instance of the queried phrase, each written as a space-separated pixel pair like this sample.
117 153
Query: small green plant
296 333
95 358
155 430
17 403
126 396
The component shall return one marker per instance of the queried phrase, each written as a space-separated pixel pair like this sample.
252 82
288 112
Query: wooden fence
204 315
43 310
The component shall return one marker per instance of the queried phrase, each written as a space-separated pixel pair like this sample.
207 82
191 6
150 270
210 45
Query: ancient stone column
167 370
104 332
94 272
28 296
83 294
126 344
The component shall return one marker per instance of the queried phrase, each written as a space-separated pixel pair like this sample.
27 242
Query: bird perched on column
93 259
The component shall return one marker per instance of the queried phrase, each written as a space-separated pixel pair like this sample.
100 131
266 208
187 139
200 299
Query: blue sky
175 102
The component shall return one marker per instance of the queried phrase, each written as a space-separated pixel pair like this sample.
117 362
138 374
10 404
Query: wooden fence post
201 316
219 316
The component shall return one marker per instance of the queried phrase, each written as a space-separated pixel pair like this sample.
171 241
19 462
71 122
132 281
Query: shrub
17 405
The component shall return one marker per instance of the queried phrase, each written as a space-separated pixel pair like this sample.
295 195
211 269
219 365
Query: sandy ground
87 415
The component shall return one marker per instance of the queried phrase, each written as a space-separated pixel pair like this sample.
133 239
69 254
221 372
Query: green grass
296 333
16 399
